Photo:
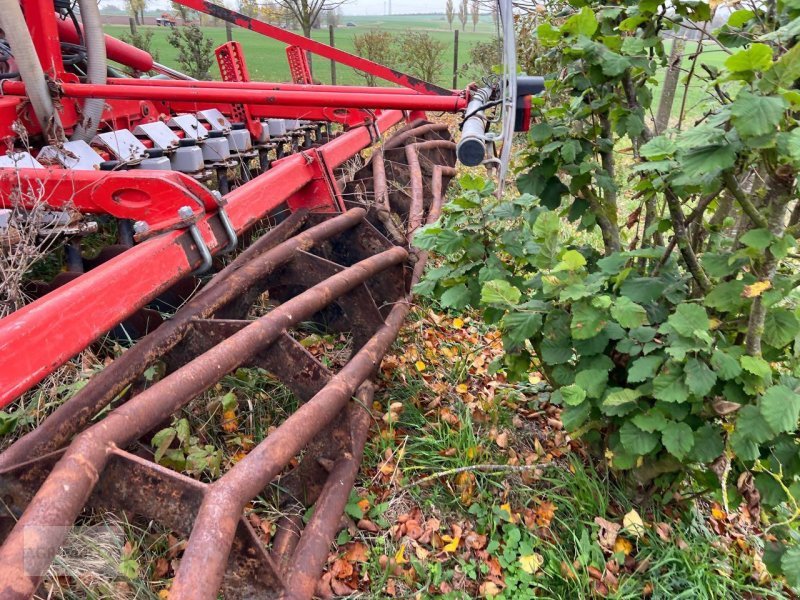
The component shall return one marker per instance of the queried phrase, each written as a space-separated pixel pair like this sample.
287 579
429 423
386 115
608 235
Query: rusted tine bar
34 541
272 250
200 572
312 550
417 211
398 140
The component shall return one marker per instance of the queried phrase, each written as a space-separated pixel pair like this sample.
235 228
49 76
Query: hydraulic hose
96 71
30 69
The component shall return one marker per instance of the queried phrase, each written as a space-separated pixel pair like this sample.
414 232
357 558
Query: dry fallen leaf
452 543
756 289
420 366
489 588
400 556
623 545
607 536
632 524
502 440
531 563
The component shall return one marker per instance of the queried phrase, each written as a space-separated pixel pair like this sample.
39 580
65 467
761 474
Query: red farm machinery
100 137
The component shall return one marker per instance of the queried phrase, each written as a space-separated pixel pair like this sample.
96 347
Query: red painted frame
43 335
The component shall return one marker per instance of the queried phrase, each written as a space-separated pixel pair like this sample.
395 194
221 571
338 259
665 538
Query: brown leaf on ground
367 525
341 568
607 536
356 552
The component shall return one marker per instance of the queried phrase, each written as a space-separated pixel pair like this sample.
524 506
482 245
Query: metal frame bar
43 335
252 97
318 48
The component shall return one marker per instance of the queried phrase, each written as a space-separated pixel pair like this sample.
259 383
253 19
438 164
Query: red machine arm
315 47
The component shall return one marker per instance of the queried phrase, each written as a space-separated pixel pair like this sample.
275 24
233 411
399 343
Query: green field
266 58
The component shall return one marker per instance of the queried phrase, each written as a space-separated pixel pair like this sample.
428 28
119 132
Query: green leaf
755 115
740 17
548 35
669 386
457 296
572 260
499 291
790 565
636 441
781 326
756 365
751 424
229 401
650 421
587 321
643 289
556 352
572 417
582 23
780 407
540 132
658 148
678 439
644 368
758 57
726 366
573 394
162 441
699 377
705 161
708 444
520 326
760 239
689 319
620 396
726 296
628 314
593 381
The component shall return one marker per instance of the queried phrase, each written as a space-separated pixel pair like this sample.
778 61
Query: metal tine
24 558
238 276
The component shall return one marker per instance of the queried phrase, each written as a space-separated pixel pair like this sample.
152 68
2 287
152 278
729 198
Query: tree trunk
670 85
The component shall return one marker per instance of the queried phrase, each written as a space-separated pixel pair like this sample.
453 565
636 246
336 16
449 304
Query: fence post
333 62
229 31
455 58
132 23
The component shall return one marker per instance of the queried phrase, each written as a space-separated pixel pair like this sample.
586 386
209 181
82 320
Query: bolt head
185 212
140 227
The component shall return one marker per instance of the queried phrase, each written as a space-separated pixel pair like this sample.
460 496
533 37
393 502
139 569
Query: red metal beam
261 85
253 97
135 195
293 39
43 335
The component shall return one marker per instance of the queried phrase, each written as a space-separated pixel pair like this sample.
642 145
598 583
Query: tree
670 84
422 55
463 14
654 290
450 12
333 17
195 50
136 8
476 14
307 12
379 46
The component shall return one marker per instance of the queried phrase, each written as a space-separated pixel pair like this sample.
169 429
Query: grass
266 58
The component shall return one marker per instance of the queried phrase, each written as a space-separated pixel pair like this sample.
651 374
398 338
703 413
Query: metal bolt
185 212
140 227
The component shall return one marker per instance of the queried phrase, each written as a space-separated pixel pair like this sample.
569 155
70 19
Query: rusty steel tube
74 414
312 550
35 539
416 211
398 140
200 572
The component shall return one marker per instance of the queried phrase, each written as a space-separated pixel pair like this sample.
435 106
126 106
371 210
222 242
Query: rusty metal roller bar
201 572
272 250
34 541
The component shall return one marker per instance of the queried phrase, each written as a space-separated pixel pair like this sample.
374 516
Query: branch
695 214
679 226
747 206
